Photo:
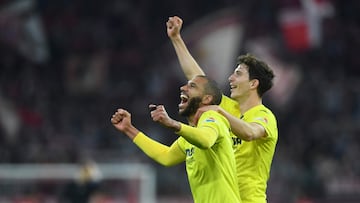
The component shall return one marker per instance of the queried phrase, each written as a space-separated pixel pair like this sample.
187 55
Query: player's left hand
159 114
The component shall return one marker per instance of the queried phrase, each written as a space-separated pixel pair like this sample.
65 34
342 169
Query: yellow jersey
254 158
212 171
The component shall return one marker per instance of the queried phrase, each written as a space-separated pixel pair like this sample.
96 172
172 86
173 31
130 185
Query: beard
193 106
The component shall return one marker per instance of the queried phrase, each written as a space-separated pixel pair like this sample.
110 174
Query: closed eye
192 84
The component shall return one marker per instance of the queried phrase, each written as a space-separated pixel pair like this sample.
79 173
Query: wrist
131 132
176 126
176 38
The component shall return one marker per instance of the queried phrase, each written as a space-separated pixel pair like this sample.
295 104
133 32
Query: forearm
188 64
167 156
242 129
131 132
203 138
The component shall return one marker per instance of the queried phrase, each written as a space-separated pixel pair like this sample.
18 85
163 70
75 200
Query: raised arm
188 64
164 155
202 137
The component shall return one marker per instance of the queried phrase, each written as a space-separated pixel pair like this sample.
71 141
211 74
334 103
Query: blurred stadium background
66 66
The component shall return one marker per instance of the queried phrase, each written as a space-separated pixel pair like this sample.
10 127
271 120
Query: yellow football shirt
232 107
254 158
211 172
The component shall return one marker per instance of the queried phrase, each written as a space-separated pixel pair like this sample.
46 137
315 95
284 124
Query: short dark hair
258 70
212 88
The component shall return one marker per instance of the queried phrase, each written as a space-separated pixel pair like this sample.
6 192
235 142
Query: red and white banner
301 24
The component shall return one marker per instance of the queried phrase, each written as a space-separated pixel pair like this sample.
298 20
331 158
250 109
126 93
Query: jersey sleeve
265 118
165 155
207 131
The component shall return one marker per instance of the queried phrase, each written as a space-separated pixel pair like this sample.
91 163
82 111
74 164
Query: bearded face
192 106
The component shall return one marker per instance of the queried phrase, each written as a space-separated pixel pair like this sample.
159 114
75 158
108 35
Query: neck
249 102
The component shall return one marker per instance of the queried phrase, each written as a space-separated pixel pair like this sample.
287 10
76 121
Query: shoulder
265 111
212 116
265 117
230 105
227 101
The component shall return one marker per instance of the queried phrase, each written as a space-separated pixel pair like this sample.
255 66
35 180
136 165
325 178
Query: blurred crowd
60 83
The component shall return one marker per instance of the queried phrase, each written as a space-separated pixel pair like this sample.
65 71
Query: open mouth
183 99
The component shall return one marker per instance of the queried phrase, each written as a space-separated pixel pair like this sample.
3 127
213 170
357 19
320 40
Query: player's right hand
121 119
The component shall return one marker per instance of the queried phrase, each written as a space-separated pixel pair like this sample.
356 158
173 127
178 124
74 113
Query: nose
182 88
230 78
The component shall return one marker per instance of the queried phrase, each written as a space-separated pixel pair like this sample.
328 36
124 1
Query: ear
254 83
207 99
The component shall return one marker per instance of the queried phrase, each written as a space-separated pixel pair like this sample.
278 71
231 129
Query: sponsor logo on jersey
210 119
189 152
236 141
262 119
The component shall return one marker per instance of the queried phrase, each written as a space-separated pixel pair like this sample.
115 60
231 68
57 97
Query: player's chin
181 109
182 106
233 95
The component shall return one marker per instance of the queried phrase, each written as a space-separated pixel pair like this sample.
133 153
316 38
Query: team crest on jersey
210 119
